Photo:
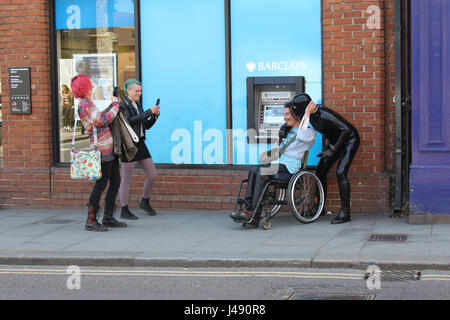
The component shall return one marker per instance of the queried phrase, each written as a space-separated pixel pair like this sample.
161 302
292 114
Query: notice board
20 90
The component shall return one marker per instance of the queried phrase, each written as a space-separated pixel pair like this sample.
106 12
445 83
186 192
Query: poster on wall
20 90
101 68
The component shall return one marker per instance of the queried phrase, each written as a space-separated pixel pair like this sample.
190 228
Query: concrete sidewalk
198 238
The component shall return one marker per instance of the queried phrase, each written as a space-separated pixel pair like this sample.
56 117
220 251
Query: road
107 283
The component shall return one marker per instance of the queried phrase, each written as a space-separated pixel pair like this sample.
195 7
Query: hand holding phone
156 112
115 96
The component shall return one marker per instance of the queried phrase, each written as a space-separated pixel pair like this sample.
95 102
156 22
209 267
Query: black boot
344 192
146 206
249 218
92 223
110 221
127 214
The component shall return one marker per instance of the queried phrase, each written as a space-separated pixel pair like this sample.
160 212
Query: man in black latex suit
343 142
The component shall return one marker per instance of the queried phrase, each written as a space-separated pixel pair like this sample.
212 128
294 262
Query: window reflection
96 38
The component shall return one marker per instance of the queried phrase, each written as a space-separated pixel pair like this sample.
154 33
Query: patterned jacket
90 115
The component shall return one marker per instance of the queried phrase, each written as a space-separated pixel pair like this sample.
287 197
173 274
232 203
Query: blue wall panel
83 14
273 38
183 63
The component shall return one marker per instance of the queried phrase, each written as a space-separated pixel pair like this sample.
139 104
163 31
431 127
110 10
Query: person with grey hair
140 121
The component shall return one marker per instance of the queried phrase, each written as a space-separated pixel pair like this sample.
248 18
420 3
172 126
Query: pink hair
81 85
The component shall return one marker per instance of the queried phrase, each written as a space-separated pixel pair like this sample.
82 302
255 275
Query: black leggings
111 173
345 156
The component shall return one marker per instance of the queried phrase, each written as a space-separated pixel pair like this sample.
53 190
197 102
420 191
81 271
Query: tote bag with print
85 165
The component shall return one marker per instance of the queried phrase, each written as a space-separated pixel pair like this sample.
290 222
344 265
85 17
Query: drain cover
397 275
330 296
388 237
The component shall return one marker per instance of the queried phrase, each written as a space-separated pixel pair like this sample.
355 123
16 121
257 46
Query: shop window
96 38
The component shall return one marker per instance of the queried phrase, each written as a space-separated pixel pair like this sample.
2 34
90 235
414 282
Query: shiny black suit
343 142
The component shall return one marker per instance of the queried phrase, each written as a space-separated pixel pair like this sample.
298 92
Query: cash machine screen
273 114
266 98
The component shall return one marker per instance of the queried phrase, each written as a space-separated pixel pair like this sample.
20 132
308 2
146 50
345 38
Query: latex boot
344 213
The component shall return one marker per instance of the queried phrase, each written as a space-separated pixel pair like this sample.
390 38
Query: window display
96 38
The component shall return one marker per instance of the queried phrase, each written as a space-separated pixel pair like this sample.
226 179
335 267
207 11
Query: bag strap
130 130
283 148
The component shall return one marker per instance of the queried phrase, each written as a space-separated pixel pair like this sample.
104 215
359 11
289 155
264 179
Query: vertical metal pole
137 39
397 205
54 84
406 100
229 133
402 103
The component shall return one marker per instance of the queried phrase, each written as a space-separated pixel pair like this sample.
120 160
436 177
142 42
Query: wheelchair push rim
305 196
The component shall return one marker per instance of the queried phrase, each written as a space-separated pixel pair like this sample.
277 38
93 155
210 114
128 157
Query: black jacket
137 119
333 126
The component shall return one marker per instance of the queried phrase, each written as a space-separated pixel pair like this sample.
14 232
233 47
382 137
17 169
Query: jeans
256 182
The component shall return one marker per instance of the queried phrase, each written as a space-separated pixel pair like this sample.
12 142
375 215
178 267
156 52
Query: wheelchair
302 191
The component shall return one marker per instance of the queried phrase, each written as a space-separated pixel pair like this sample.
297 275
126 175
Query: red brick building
358 68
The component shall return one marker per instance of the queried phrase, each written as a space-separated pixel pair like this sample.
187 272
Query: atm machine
266 97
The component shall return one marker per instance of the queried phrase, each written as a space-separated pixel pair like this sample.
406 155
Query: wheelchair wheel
305 196
273 201
266 224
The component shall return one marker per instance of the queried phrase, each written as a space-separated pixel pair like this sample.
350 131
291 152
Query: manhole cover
388 237
330 296
397 275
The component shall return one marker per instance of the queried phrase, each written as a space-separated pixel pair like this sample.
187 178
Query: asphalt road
233 284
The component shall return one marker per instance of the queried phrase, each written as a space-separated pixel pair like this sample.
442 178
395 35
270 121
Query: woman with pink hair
90 116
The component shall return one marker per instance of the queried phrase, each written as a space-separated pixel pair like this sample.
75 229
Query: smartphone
116 92
157 104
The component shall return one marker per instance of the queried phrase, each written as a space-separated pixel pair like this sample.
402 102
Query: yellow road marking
442 277
175 273
189 273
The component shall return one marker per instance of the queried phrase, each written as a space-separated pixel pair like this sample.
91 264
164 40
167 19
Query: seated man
343 142
295 131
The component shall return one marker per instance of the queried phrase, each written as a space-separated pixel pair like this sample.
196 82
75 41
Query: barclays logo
276 66
251 66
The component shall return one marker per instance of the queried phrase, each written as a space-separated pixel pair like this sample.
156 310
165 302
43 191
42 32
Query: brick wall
358 76
358 65
26 139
